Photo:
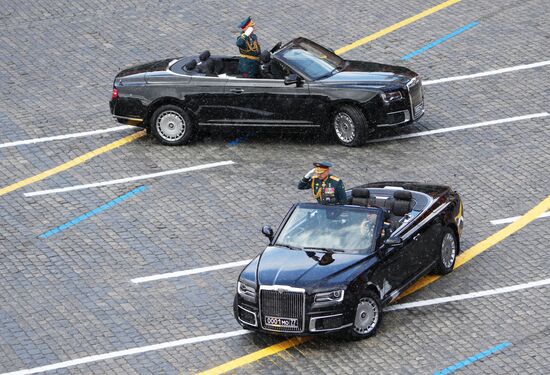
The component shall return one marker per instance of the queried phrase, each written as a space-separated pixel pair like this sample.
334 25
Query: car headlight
329 298
391 96
247 292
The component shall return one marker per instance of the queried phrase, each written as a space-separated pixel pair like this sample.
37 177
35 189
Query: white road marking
122 353
461 127
217 336
66 136
192 271
129 179
512 219
487 73
461 297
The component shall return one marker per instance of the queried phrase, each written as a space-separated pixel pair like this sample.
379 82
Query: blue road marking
95 211
440 40
473 358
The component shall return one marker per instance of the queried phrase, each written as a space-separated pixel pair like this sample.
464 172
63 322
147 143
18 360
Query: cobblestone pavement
70 296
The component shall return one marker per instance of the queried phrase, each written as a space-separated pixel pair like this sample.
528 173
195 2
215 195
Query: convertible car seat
265 64
360 196
188 67
402 205
206 65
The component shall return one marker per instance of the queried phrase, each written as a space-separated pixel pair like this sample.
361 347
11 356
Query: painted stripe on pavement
487 73
72 163
66 136
512 219
128 179
440 40
93 212
460 297
193 271
472 359
461 127
395 26
250 357
132 351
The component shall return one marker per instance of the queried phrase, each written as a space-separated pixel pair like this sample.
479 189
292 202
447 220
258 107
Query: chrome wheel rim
170 125
366 316
448 250
344 127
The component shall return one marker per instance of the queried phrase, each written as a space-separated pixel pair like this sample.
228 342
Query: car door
267 102
205 95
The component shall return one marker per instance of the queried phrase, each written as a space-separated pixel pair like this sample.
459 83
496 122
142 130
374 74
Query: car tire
171 125
447 252
349 125
367 317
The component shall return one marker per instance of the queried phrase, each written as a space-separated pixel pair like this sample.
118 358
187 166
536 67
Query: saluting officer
325 187
249 49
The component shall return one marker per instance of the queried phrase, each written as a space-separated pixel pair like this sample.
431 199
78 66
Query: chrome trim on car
423 222
281 289
407 119
259 124
314 319
251 312
413 82
128 118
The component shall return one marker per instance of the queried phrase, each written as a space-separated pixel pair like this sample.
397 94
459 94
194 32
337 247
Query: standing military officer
249 49
325 187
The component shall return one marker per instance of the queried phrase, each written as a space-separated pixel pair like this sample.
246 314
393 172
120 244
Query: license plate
281 322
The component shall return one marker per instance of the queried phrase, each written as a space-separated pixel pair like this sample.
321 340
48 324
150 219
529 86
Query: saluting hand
309 174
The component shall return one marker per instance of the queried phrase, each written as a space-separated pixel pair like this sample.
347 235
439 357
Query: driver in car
249 49
326 188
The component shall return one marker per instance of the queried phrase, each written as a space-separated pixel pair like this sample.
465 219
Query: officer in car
326 188
249 49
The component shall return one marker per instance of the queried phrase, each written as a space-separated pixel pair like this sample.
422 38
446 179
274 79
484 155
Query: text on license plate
281 322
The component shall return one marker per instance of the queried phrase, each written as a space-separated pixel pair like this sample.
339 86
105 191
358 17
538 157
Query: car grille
282 304
416 97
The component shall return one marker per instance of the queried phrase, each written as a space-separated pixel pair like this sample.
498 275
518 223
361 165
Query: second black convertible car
332 268
302 85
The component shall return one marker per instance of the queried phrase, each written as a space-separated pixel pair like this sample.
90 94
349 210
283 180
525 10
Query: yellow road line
396 26
72 163
253 357
466 256
490 241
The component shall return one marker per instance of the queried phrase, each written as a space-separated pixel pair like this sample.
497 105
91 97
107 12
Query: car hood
307 269
153 66
361 73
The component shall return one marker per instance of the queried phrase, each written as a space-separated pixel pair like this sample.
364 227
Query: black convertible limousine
302 85
332 268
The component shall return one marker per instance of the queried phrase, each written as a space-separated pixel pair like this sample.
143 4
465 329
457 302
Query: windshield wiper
325 249
289 246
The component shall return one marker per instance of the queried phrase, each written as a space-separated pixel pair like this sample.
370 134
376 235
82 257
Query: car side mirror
390 246
268 232
292 79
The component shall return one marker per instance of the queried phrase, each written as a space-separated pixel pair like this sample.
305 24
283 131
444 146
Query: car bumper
330 320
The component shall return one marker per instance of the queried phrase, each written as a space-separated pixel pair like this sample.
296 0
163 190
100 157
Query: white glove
309 174
249 31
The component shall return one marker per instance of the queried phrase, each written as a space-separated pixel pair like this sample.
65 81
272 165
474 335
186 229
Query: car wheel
448 247
368 316
171 125
350 126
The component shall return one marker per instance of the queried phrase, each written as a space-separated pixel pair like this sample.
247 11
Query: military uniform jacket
250 52
330 190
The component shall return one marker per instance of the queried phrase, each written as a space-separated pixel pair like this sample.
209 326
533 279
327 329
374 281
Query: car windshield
310 59
330 228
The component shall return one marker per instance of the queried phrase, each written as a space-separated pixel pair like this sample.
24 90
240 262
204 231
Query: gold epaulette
335 178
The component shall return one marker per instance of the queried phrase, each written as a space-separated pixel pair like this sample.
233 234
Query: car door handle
236 91
415 238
